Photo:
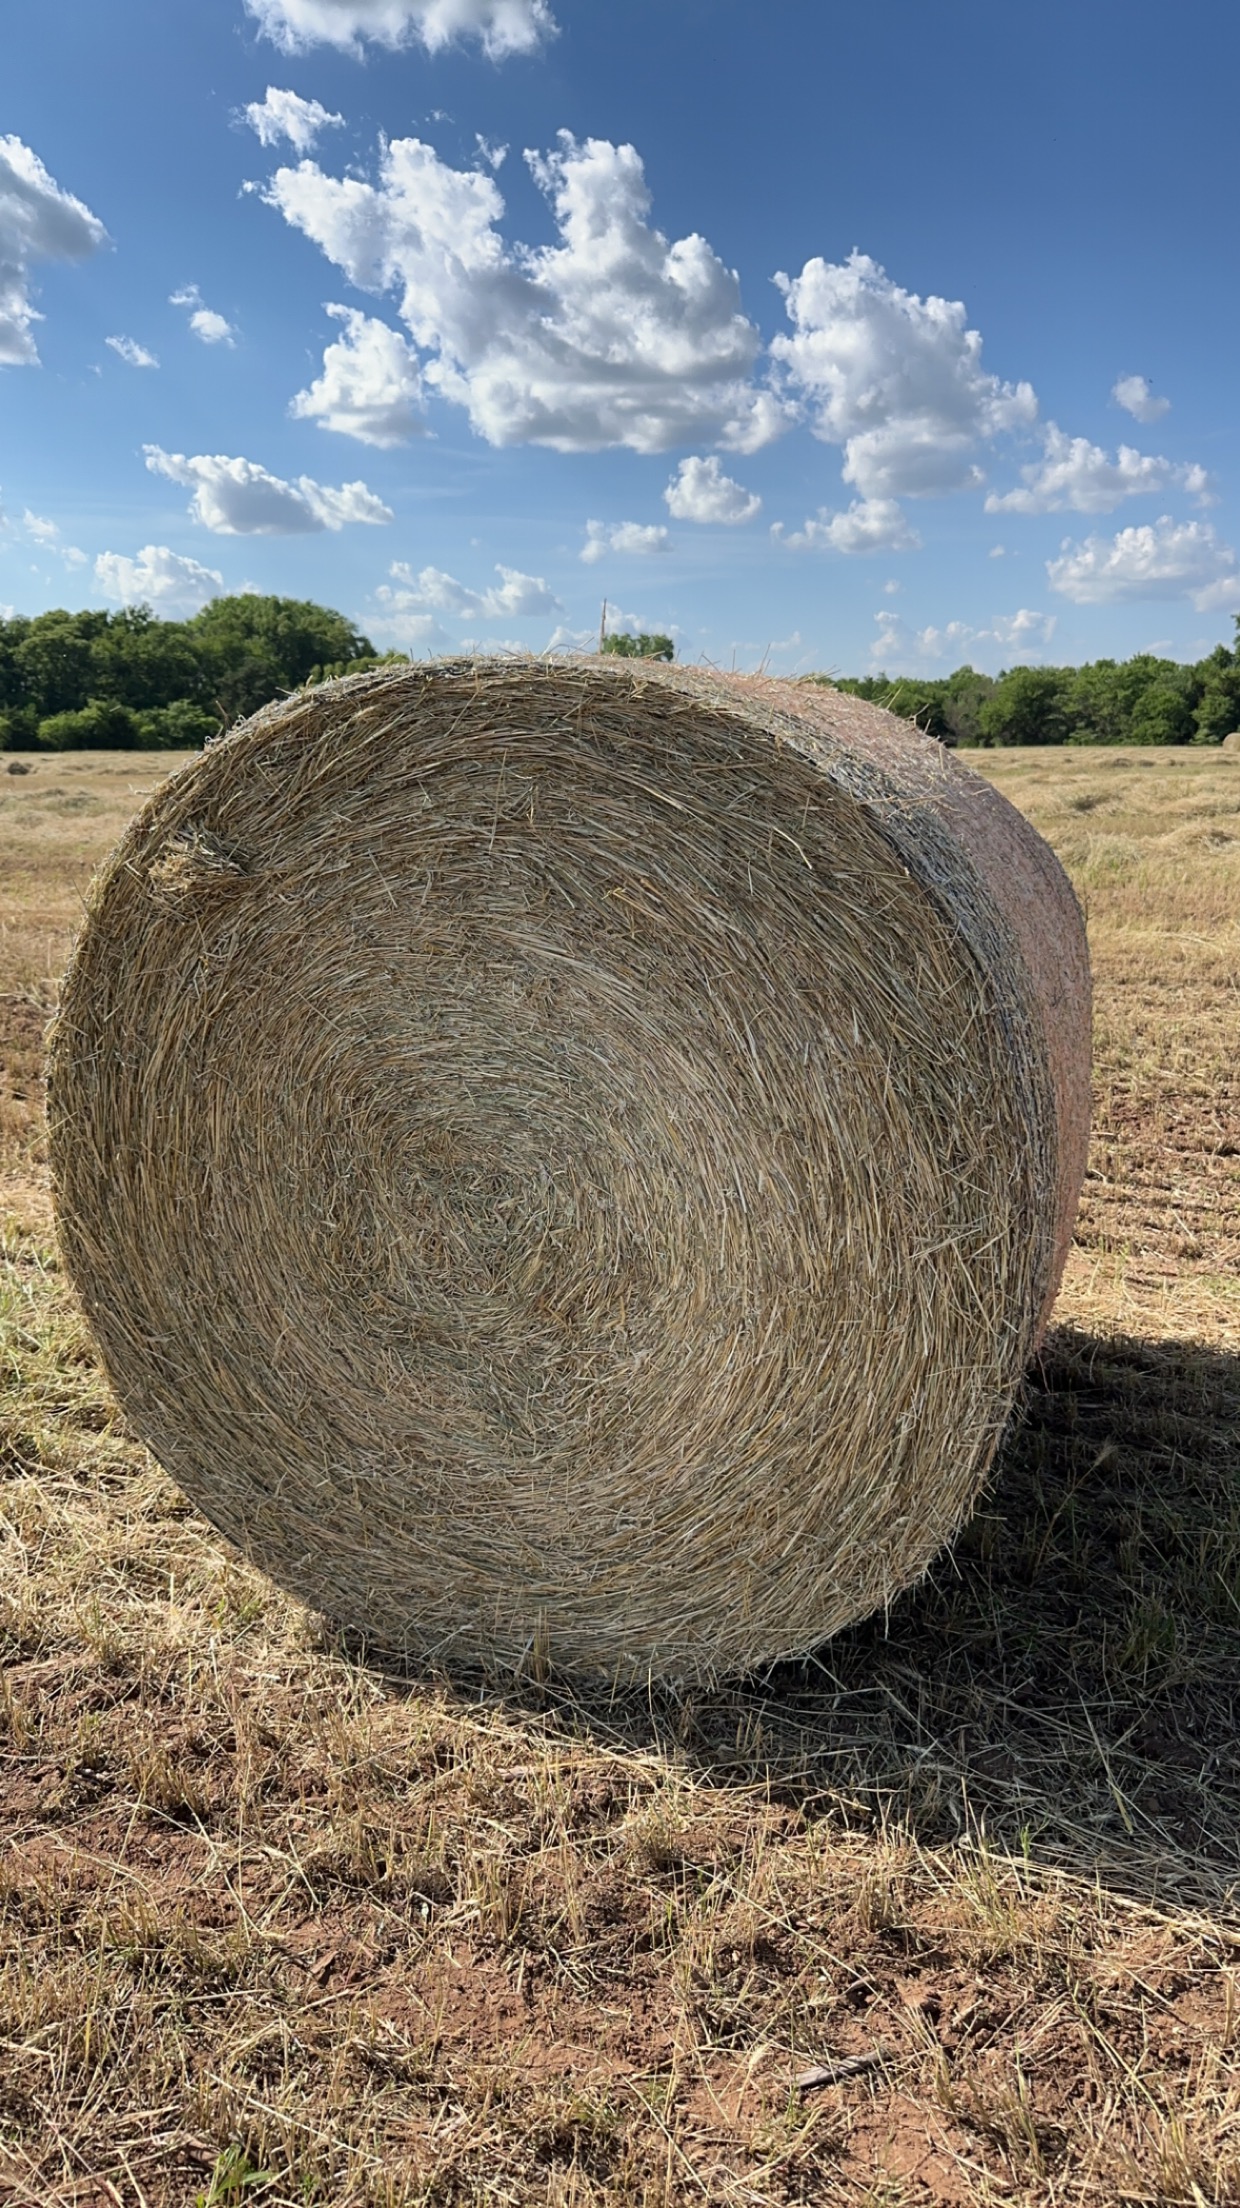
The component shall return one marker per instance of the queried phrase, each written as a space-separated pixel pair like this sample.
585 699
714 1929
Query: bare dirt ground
951 1914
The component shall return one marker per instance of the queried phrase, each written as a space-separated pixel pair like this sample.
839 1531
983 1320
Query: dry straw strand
569 1163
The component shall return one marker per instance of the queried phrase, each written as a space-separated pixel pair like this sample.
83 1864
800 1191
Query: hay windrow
567 1159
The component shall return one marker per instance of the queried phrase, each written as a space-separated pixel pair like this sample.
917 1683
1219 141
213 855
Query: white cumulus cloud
501 26
611 336
1134 394
868 525
900 649
1074 476
1162 559
370 387
238 498
38 222
281 114
157 577
634 539
133 354
431 590
896 380
208 326
700 491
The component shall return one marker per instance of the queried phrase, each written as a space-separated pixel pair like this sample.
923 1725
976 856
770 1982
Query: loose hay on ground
566 1163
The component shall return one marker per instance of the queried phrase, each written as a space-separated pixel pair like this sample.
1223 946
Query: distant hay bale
570 1160
1232 742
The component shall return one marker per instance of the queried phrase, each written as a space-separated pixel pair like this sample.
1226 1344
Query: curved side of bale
1015 868
573 1158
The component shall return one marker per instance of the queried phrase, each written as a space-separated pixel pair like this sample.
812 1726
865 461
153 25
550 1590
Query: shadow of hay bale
1066 1678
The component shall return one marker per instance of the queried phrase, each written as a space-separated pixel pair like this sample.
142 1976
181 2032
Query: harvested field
277 1925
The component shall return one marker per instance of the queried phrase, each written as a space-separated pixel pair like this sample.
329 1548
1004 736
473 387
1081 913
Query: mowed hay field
950 1914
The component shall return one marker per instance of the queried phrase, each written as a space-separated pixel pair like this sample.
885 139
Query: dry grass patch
278 1926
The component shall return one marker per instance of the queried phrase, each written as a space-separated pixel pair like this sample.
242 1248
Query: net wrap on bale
572 1158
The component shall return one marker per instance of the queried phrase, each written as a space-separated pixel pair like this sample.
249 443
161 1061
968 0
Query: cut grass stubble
280 1925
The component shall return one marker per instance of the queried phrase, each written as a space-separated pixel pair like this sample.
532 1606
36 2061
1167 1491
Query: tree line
76 681
116 681
1143 700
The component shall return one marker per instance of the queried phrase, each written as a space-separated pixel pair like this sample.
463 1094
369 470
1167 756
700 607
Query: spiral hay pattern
570 1161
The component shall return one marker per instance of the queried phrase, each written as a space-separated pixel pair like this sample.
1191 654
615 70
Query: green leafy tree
910 698
253 649
1100 701
1164 712
639 647
1107 701
54 661
922 702
1142 700
102 724
145 662
1218 705
1028 705
13 700
95 678
964 695
875 689
182 725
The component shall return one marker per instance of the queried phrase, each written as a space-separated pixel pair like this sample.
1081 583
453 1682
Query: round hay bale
1232 742
569 1161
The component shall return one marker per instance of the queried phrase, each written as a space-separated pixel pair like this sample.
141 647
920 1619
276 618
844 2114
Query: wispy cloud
133 354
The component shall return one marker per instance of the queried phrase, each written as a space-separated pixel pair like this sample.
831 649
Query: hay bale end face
570 1157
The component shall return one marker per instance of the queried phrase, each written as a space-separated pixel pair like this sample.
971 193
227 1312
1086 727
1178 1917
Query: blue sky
888 337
